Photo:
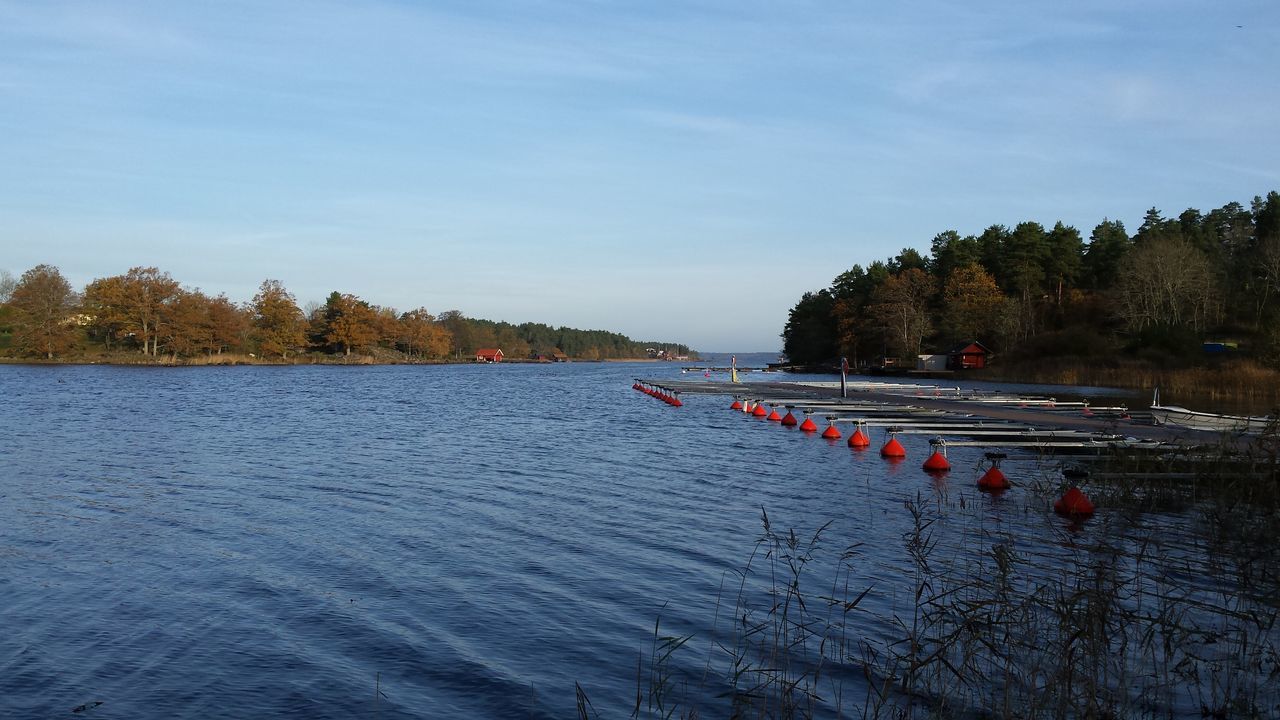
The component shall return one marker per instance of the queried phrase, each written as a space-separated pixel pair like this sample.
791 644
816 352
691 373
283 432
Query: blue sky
673 171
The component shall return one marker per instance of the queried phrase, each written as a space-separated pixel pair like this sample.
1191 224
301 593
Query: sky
679 172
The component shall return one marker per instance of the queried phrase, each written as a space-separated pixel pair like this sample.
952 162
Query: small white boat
1213 422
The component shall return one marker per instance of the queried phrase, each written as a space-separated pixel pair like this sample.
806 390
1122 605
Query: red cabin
970 356
489 355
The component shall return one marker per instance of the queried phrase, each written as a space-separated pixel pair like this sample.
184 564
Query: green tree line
1031 290
146 311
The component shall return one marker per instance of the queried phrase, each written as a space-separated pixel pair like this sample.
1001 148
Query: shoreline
242 360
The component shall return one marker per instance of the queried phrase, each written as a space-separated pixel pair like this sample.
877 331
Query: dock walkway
866 401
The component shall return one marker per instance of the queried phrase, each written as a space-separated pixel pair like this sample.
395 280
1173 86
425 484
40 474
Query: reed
1238 381
1113 631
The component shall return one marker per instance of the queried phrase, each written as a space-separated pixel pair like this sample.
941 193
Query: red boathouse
970 356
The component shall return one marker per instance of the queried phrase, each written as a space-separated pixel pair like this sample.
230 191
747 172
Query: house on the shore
489 355
969 356
558 355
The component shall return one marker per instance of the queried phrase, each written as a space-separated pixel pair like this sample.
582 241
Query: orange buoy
937 462
773 414
789 420
858 440
1073 504
759 411
737 404
893 448
808 425
993 480
831 433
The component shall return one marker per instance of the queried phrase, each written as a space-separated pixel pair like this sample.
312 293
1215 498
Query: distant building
489 355
559 356
931 363
970 356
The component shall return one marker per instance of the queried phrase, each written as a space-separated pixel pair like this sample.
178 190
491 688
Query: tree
7 283
901 307
809 335
991 244
907 259
349 322
1107 247
43 305
1259 267
422 336
146 294
1166 284
103 303
277 320
1022 261
1062 259
971 303
228 325
951 251
459 332
187 332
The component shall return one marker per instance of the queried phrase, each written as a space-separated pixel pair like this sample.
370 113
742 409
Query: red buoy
773 414
831 433
1087 412
1073 504
737 404
893 449
993 480
808 425
759 411
789 420
858 440
746 407
937 462
675 400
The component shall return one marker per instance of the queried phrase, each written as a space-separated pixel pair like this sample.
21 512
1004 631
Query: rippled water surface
456 541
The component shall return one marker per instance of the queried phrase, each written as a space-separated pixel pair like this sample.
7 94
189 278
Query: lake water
440 541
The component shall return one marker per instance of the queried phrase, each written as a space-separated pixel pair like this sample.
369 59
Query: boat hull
1212 422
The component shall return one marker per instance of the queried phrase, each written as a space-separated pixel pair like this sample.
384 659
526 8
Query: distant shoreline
232 360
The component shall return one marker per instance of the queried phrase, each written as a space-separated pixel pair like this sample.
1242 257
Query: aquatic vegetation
1118 622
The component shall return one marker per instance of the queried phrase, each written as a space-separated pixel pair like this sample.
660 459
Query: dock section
983 418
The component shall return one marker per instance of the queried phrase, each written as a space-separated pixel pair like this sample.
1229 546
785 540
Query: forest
1160 296
145 315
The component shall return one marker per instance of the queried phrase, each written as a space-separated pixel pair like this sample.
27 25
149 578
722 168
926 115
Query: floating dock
958 416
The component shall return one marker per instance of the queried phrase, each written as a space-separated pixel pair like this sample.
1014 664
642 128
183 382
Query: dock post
844 371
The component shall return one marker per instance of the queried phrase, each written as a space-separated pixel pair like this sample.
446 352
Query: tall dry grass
1237 381
1129 626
